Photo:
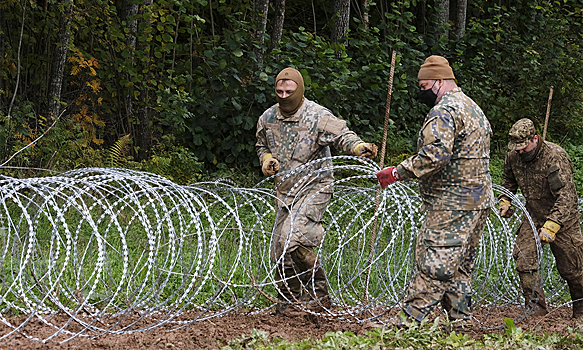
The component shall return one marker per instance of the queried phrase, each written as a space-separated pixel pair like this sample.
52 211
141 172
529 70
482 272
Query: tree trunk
129 11
59 60
442 18
460 22
277 26
365 11
342 13
2 53
144 127
262 10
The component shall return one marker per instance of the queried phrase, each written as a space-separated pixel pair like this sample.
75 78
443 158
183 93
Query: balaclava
290 105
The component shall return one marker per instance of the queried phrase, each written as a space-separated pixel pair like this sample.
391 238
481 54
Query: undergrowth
423 336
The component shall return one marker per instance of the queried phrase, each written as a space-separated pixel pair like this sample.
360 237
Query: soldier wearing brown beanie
452 167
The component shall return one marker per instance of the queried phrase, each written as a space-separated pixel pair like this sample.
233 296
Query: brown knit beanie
435 67
290 105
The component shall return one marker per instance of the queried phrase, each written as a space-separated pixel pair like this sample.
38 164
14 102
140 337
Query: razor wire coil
114 251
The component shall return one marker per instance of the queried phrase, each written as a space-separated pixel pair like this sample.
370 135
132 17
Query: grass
423 336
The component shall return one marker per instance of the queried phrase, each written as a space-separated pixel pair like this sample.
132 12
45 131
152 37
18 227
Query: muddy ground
216 332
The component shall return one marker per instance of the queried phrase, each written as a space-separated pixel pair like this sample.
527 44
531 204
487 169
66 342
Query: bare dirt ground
216 332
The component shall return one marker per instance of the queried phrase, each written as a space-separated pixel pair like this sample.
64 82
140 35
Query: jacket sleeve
508 180
261 146
434 146
334 132
561 183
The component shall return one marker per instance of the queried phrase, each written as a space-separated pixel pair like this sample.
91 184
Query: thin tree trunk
262 10
129 11
460 23
144 126
442 18
277 26
2 52
59 60
365 11
342 10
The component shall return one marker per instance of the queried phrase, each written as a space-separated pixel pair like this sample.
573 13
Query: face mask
528 155
428 97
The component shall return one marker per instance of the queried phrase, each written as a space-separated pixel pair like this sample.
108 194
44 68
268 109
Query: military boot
534 298
316 296
288 290
576 291
313 278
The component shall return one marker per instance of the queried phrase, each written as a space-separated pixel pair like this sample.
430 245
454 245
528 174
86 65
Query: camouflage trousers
445 254
567 250
296 234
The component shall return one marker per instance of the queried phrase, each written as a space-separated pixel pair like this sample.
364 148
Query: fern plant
117 152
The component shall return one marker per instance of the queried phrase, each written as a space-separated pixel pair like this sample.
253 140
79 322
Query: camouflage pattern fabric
521 134
445 253
302 226
453 156
568 256
299 139
548 187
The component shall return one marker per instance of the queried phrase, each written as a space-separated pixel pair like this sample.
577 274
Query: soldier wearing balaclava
290 134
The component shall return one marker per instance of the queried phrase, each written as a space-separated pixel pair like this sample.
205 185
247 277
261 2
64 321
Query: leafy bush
576 154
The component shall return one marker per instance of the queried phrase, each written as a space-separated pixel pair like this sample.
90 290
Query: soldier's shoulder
556 151
554 147
269 113
315 108
316 112
511 158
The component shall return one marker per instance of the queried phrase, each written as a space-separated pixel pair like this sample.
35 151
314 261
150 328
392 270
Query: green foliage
178 164
497 167
576 154
512 55
176 68
425 336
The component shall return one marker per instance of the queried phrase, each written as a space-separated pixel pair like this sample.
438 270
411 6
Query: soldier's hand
368 150
387 176
270 165
548 232
504 209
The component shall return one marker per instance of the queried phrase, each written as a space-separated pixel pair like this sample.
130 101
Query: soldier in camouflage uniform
290 134
544 173
452 166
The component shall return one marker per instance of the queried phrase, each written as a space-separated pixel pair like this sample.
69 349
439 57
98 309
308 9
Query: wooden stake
382 161
548 112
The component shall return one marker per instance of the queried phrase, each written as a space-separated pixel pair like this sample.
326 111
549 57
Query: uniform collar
450 92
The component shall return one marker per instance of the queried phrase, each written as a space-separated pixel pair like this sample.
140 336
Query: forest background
176 87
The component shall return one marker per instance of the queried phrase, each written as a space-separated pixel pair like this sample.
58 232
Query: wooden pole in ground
548 112
381 163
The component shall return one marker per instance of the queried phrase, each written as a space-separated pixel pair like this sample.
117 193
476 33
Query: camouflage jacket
299 139
453 156
547 184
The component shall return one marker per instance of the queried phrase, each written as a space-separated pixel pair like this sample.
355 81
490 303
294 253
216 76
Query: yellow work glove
504 209
548 232
270 165
363 149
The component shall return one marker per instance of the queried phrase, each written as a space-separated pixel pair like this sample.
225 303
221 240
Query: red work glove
387 176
